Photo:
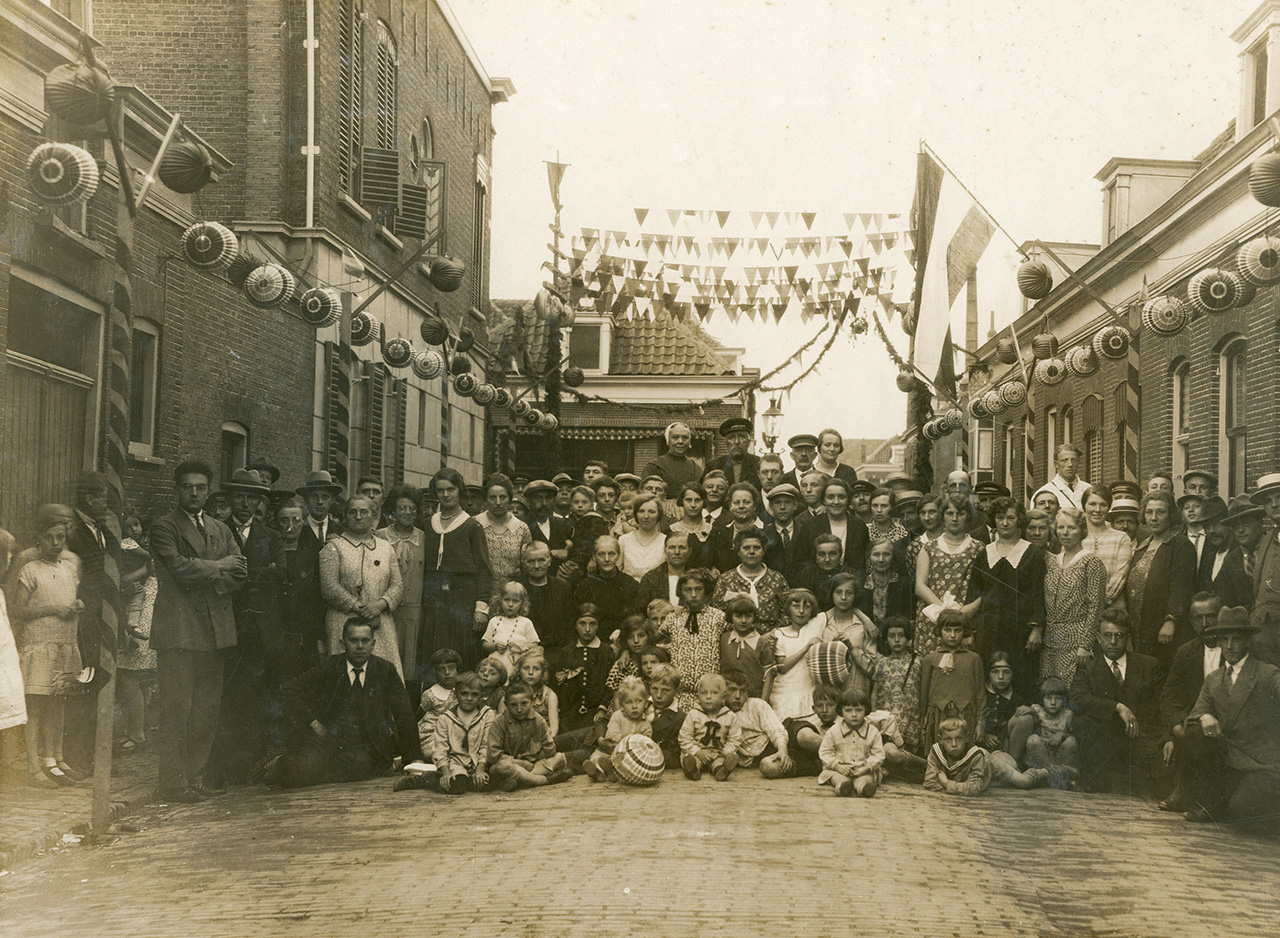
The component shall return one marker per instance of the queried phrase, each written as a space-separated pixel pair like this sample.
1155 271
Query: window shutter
375 403
350 90
422 206
380 182
412 220
337 418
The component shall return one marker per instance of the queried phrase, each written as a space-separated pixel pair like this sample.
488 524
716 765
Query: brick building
1202 398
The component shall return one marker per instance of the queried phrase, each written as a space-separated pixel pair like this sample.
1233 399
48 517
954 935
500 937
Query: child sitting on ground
952 682
764 738
895 679
632 701
668 718
804 734
493 679
460 742
521 752
851 751
710 737
510 633
1052 744
898 760
956 766
440 696
634 637
743 648
532 669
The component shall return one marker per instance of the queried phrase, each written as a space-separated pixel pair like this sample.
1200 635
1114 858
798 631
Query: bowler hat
1267 485
1242 506
803 439
735 423
246 480
1234 619
540 485
319 481
783 490
1213 509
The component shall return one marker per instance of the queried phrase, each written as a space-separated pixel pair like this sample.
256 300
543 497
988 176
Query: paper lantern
428 364
1035 282
397 353
186 167
994 403
501 397
1166 315
321 306
548 422
79 93
906 381
1213 290
1013 393
574 376
241 266
364 329
485 394
542 303
1082 361
1264 179
638 761
269 286
1051 371
1259 261
435 331
459 365
519 408
953 418
207 245
828 663
931 430
1007 351
1247 292
978 408
533 416
1044 345
60 173
1111 342
466 341
562 314
465 384
446 273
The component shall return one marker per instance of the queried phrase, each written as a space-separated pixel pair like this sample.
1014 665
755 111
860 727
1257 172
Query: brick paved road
681 859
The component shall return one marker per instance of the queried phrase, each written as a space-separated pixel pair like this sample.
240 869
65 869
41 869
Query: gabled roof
664 345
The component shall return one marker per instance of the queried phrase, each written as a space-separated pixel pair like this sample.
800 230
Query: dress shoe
57 776
206 791
74 774
692 770
1172 804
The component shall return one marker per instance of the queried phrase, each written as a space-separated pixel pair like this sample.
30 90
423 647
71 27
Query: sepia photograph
680 468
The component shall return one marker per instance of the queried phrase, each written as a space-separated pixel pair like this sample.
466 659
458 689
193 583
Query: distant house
650 371
874 460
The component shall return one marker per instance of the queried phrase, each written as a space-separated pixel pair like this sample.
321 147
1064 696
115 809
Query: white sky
807 105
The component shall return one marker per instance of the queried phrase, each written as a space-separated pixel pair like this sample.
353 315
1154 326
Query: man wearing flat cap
804 450
545 526
1233 731
317 493
782 531
738 465
1266 569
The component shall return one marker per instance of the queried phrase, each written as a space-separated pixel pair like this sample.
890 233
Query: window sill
143 455
385 234
354 207
82 241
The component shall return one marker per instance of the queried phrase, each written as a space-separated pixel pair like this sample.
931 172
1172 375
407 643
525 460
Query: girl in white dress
790 692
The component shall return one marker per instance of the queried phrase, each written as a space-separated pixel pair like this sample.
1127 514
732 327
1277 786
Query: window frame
1180 431
1233 425
146 448
233 428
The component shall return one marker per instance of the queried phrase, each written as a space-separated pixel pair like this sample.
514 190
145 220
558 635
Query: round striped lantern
501 397
1166 315
398 353
428 364
1082 361
60 173
562 314
1007 351
978 408
485 394
905 381
446 273
548 422
638 761
931 430
186 167
519 408
533 417
1044 346
1034 280
241 266
1051 371
206 245
1259 261
465 384
269 286
994 403
364 329
435 331
953 418
321 306
574 376
80 93
1214 290
1013 393
466 341
1111 342
828 663
459 365
1264 179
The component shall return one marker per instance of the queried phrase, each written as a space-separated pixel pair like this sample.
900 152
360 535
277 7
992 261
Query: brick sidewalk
746 857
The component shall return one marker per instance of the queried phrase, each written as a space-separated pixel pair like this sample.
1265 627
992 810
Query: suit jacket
1182 686
258 605
750 469
654 585
1232 585
551 609
322 692
193 609
97 587
857 541
310 608
1266 599
777 557
1171 582
1249 712
1095 691
561 531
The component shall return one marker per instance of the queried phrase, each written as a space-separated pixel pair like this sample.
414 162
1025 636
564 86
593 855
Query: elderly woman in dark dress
1161 581
456 579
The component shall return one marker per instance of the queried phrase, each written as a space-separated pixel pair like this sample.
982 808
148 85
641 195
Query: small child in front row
521 751
743 648
804 734
764 738
532 669
632 701
710 737
851 752
440 696
460 743
494 674
1052 745
511 633
952 682
956 766
668 718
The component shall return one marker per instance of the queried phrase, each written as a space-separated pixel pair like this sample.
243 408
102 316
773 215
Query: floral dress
694 653
765 589
896 687
505 543
1073 598
949 571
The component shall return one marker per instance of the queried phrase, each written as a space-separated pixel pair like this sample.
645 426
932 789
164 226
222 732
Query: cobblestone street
679 859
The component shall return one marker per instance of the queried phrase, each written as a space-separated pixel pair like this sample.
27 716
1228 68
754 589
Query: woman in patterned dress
1075 586
1113 548
929 511
504 533
752 579
943 566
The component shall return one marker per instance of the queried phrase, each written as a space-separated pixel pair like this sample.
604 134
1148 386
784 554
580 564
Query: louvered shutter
375 404
380 182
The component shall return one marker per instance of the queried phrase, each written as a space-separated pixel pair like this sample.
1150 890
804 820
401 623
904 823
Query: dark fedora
1234 619
1242 506
246 480
319 481
1213 509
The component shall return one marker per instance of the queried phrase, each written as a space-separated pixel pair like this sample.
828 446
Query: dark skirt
448 621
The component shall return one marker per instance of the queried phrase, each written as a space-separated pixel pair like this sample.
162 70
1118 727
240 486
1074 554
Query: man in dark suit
198 566
1231 732
544 525
348 718
836 499
1117 695
782 545
254 667
804 450
317 494
737 465
1221 569
1193 661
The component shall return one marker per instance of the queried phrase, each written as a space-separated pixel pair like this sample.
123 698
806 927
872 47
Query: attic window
589 346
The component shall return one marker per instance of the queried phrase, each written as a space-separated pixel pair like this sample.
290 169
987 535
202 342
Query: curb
9 859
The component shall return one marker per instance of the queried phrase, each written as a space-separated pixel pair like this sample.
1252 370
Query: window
1010 457
1257 63
1181 420
143 381
1092 468
584 346
428 140
350 92
477 439
1113 211
1068 424
1233 433
422 417
386 90
1051 440
235 448
52 327
985 442
477 245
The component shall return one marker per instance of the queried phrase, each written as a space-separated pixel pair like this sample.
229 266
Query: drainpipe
310 148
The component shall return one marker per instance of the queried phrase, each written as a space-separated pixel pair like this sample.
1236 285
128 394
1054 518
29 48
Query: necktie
692 623
356 684
786 538
1231 675
200 526
1248 562
99 537
1115 669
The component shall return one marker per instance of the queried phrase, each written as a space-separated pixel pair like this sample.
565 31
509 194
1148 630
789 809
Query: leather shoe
206 791
1172 804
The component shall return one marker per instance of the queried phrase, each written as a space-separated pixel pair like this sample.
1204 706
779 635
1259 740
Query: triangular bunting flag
722 217
641 215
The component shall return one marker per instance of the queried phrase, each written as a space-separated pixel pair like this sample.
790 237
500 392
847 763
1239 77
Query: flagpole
948 170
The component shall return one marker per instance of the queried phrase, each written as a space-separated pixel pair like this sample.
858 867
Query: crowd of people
740 616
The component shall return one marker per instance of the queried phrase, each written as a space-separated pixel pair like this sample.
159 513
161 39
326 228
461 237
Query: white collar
438 525
1014 556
